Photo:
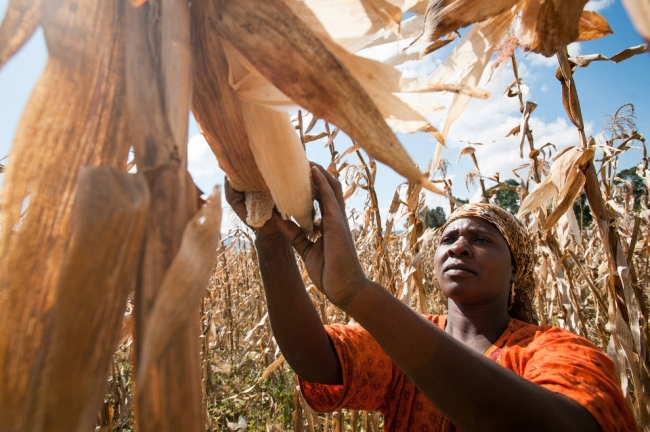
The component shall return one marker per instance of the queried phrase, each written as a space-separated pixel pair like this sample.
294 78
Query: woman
476 369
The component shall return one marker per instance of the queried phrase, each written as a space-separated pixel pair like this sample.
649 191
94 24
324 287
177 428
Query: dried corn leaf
465 151
564 182
585 60
639 12
382 82
185 282
215 104
350 23
466 63
158 81
409 28
171 398
269 370
549 25
446 16
569 93
18 25
97 274
523 127
258 29
435 46
78 102
592 26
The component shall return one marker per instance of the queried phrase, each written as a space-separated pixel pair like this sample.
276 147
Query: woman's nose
459 248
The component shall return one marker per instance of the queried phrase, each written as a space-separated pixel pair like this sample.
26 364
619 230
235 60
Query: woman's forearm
296 325
474 392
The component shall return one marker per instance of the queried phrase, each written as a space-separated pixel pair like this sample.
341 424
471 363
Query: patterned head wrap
521 248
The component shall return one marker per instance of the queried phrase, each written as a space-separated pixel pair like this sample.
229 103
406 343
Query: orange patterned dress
549 356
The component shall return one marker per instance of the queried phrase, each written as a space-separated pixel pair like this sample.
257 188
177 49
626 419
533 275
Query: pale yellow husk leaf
273 140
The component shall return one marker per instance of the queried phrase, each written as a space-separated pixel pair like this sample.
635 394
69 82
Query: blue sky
603 87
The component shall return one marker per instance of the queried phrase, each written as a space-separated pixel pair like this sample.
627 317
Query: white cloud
488 122
598 5
537 60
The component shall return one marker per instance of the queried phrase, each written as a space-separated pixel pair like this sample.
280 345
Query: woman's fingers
294 234
236 199
329 204
334 184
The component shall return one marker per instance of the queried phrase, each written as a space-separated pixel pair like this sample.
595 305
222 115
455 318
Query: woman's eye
482 240
446 240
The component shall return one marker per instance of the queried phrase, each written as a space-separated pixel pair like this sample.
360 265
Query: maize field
122 307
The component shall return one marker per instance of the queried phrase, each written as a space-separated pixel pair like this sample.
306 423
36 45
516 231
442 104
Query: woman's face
473 263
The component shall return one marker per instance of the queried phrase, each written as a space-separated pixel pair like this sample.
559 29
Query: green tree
505 197
435 218
639 190
582 211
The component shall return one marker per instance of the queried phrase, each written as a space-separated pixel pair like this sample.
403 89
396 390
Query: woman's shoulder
533 337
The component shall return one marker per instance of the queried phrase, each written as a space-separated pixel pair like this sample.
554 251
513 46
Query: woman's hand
331 261
237 201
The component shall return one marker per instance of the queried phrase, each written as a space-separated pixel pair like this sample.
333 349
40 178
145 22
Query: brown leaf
96 277
158 69
311 76
585 60
465 151
548 25
158 76
524 128
20 22
514 131
436 45
169 400
215 104
569 92
77 101
446 16
564 182
184 284
592 26
349 23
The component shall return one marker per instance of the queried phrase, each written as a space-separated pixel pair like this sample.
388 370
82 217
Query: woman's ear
513 276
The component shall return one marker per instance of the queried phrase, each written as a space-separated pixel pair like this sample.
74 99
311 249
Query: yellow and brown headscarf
522 249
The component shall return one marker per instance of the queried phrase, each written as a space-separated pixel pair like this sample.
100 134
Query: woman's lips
458 269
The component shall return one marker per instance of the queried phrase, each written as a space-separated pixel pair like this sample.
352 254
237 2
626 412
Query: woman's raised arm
296 325
472 391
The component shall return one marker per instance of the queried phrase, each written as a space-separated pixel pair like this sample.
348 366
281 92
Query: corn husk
74 118
95 280
273 140
335 96
216 106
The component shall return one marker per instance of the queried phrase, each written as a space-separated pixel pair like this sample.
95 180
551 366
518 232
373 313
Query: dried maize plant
126 74
588 272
